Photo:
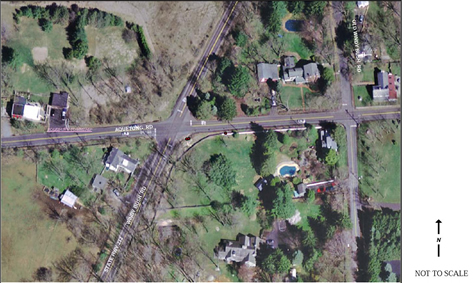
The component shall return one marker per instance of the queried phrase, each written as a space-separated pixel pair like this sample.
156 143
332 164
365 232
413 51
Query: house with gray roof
327 141
307 73
244 249
388 87
99 182
267 71
117 160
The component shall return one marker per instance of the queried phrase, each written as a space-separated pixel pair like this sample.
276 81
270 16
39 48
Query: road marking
210 52
385 113
266 121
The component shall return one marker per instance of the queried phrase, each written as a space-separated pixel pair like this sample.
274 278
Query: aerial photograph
209 141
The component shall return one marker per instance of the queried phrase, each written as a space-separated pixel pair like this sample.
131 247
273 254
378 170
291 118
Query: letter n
438 240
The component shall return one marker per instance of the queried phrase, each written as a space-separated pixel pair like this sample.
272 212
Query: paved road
164 129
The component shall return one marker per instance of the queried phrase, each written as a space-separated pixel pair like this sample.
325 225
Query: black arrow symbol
438 223
438 250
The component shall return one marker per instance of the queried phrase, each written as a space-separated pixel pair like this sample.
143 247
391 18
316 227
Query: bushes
46 25
142 42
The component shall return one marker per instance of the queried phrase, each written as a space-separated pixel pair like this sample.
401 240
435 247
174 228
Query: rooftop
69 198
60 99
99 182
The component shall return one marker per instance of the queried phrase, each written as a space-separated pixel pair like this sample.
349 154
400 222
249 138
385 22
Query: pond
294 25
287 171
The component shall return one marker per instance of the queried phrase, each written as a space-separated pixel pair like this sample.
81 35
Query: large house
242 250
267 71
327 141
388 87
24 110
117 160
307 73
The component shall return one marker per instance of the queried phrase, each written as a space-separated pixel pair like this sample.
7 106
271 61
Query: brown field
30 239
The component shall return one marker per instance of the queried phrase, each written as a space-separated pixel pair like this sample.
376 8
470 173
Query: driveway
6 128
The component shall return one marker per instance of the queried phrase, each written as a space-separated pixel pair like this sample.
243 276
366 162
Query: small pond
294 25
287 170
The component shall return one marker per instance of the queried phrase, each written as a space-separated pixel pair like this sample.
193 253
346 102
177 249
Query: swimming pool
287 171
294 25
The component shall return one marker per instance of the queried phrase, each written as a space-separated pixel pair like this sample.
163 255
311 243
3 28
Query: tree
204 110
227 110
310 196
11 57
295 7
43 274
220 171
315 8
240 38
276 262
277 11
239 81
93 63
77 190
270 141
249 205
328 75
283 207
332 157
285 139
46 25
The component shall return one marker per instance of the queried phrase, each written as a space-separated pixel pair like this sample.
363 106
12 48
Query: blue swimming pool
294 25
287 170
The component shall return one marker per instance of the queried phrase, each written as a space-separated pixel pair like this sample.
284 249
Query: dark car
270 242
330 189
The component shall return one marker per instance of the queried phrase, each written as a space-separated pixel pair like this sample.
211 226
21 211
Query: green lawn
291 97
360 90
30 239
294 44
380 161
307 210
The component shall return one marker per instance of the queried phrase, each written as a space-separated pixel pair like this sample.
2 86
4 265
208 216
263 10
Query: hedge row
141 38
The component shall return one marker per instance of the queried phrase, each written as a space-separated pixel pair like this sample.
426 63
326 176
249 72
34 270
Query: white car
300 121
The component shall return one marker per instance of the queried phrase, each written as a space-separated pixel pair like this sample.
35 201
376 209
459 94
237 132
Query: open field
108 43
307 210
30 239
380 160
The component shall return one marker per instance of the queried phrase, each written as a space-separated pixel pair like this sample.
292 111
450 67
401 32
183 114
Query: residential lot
380 161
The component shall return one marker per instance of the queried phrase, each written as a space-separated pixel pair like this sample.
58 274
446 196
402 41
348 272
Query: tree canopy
277 11
239 81
276 262
204 110
220 171
283 206
227 111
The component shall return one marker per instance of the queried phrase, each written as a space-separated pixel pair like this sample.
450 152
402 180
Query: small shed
69 199
259 183
99 182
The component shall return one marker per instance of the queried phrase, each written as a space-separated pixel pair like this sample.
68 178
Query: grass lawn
386 185
30 239
295 44
291 97
360 90
307 210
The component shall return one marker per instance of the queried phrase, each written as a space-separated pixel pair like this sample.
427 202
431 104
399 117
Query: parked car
300 121
125 133
63 116
270 242
362 18
273 101
116 192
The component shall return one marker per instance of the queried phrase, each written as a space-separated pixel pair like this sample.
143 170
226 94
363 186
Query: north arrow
438 223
